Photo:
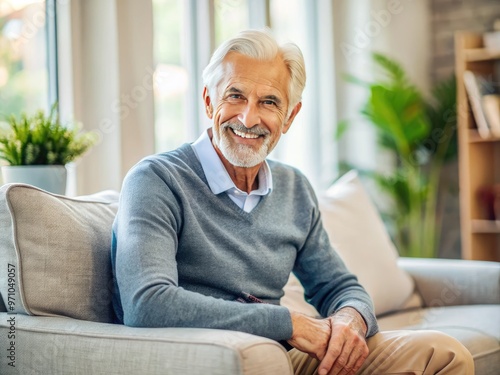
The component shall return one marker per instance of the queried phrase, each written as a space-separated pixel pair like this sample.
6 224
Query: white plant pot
51 178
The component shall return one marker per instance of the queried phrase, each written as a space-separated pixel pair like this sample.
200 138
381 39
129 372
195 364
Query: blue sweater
182 256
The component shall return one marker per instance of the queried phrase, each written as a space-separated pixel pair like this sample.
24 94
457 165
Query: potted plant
420 133
37 148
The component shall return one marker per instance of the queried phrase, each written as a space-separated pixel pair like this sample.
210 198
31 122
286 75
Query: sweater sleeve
144 250
328 284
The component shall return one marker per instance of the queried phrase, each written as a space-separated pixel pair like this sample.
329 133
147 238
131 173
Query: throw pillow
56 251
358 234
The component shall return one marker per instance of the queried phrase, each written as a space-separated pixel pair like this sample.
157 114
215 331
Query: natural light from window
23 57
229 18
185 35
171 78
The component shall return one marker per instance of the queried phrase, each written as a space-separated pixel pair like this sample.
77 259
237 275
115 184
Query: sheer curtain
310 143
107 79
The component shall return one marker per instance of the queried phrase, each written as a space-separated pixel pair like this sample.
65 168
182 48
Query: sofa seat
59 285
72 346
476 326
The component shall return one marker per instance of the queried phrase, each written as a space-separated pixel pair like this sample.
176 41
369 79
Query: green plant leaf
394 71
42 140
342 127
421 136
356 80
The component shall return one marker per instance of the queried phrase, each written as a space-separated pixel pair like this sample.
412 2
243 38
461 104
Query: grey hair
260 45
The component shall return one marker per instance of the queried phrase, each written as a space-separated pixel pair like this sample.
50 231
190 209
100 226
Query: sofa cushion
57 249
67 346
358 234
294 298
475 326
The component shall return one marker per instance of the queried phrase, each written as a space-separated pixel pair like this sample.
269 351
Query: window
187 32
310 144
171 78
24 61
229 18
289 25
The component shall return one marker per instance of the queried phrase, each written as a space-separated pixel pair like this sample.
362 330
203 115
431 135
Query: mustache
236 125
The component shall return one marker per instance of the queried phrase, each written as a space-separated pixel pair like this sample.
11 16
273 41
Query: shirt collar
217 177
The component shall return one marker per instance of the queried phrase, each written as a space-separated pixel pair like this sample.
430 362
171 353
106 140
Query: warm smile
245 134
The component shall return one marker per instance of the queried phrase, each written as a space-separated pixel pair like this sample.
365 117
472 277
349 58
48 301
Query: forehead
251 73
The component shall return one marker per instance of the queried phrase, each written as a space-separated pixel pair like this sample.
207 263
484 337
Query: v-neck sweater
182 256
219 180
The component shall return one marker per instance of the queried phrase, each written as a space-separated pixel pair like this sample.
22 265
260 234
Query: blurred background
131 70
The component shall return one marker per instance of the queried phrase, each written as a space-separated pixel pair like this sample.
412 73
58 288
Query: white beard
240 155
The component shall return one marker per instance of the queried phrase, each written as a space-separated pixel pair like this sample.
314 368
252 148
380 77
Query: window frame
52 52
321 163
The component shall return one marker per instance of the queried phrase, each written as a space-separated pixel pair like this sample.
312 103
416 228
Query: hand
347 349
310 335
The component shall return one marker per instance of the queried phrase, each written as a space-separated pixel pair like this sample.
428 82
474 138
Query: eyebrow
233 89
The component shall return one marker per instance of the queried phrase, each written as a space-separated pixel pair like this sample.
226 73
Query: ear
290 119
208 103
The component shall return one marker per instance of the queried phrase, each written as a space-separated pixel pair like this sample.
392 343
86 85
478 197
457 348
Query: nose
250 115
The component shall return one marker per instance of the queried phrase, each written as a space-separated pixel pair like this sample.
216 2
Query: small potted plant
37 148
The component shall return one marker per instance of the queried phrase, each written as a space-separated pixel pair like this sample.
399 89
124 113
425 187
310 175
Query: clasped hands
338 341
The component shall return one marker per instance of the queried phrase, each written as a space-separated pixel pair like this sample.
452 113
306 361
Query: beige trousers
403 352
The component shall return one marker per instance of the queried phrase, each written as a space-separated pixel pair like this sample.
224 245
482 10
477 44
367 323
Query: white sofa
60 316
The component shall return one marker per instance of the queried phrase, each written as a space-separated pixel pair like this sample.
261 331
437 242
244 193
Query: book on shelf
491 107
484 96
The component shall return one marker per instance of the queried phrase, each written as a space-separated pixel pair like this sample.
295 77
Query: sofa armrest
449 282
54 345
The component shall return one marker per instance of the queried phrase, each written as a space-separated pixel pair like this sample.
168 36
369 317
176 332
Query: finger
347 355
350 367
353 350
331 356
359 353
336 351
361 359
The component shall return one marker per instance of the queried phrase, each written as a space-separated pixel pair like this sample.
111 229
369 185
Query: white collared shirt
219 180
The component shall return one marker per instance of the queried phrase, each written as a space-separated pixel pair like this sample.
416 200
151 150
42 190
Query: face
249 112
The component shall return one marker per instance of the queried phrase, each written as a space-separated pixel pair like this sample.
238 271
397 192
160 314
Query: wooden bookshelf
480 54
479 158
485 226
474 137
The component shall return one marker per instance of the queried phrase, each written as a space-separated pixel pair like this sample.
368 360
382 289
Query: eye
269 102
235 96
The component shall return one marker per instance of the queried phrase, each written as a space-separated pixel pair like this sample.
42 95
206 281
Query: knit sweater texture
182 256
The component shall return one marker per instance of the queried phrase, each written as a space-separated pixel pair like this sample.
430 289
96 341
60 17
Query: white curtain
106 83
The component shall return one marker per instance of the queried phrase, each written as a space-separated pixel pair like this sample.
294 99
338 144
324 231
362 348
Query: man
203 227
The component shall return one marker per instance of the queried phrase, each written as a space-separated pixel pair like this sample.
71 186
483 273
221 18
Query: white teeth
245 135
